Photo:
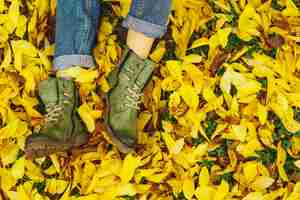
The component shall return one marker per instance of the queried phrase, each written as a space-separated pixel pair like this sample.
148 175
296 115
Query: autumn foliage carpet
220 119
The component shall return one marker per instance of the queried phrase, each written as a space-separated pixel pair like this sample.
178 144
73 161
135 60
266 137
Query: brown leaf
281 23
147 98
16 77
217 62
262 97
180 110
36 121
274 41
1 54
232 120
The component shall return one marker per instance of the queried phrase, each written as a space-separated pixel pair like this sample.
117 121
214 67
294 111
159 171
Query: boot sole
40 147
109 132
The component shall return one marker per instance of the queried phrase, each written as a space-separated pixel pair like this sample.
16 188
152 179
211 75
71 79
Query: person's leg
76 29
147 20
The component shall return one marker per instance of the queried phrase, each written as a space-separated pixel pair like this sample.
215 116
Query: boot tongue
145 74
48 91
133 66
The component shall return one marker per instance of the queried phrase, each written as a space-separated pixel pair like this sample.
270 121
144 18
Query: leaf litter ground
220 119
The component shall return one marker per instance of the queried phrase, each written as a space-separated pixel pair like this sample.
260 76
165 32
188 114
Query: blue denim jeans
77 24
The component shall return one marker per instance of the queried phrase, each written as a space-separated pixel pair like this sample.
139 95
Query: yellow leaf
190 96
54 186
222 191
291 9
250 170
219 38
105 87
178 146
170 84
4 34
81 75
18 168
275 194
7 55
130 164
254 196
174 147
109 167
50 171
159 52
245 86
297 163
175 68
223 36
66 194
2 6
249 21
32 22
15 128
127 189
199 42
14 12
265 136
29 103
21 28
204 177
29 74
33 171
7 180
233 160
43 7
188 188
205 193
296 192
110 194
20 48
196 75
12 195
143 119
229 78
158 178
192 58
88 116
24 47
21 193
174 100
199 152
281 107
9 154
262 182
45 61
239 132
144 173
55 162
281 158
262 113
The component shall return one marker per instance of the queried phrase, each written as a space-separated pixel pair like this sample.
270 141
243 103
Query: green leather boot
122 102
62 128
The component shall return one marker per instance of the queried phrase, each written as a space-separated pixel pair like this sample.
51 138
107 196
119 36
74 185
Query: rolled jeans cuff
66 61
142 26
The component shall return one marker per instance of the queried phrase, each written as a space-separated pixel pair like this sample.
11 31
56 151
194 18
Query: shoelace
133 98
54 111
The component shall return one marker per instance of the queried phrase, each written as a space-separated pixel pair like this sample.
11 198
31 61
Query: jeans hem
65 61
142 26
